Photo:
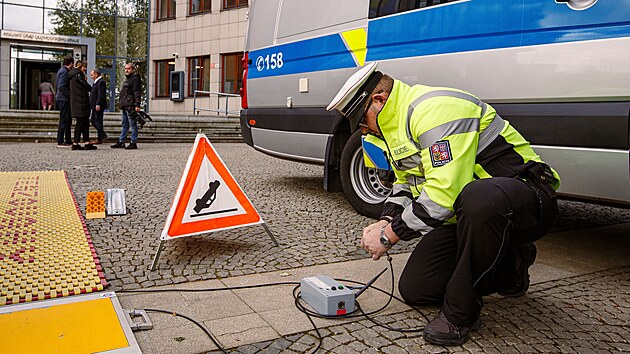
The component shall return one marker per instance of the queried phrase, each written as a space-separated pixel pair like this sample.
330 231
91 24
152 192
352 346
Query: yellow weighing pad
45 249
92 323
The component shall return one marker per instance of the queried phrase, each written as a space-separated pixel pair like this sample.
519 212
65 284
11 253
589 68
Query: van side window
380 8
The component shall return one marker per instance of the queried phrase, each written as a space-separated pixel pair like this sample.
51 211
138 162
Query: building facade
196 50
35 36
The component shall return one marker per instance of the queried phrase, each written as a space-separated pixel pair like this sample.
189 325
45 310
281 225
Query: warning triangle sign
208 198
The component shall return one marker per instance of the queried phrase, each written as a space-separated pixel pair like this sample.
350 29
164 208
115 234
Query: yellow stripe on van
356 41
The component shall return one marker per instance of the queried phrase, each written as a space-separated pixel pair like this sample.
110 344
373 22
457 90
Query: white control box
327 296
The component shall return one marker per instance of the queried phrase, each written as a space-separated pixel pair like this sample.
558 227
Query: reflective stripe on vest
464 125
402 200
434 210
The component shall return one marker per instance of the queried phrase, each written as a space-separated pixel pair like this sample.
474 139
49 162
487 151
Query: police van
558 70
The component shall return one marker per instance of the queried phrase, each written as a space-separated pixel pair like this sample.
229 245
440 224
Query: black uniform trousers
455 265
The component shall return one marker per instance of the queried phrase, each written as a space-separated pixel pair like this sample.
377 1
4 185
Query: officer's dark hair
78 64
67 61
385 85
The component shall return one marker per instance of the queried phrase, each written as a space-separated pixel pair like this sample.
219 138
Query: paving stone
504 329
587 313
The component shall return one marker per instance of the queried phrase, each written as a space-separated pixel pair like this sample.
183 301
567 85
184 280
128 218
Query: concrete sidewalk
242 318
238 317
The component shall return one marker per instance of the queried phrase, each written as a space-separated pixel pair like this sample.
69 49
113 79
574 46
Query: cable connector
144 323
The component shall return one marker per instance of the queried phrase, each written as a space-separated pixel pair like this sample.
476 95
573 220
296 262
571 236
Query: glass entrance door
32 74
28 67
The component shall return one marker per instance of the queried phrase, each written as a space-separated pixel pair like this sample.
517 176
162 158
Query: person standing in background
129 103
98 102
63 103
80 106
47 94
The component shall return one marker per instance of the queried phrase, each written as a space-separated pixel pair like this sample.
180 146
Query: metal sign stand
161 246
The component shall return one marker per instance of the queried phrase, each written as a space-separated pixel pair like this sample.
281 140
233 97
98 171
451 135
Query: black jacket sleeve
136 89
101 99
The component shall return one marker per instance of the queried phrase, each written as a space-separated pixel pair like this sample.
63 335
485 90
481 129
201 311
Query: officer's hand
371 240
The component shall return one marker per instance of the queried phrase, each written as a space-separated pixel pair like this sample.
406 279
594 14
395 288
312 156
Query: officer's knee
479 200
416 293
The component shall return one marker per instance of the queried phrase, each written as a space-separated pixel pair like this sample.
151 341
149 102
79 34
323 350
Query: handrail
217 110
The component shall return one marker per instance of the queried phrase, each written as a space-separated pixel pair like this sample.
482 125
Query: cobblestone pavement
582 314
312 226
586 313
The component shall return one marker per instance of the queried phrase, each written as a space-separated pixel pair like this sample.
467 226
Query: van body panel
561 76
607 177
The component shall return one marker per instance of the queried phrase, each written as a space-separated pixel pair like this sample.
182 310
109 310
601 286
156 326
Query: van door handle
577 4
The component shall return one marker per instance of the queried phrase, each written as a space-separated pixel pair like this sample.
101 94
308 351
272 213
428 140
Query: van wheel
365 188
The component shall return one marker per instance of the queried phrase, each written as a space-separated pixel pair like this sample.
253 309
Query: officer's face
369 122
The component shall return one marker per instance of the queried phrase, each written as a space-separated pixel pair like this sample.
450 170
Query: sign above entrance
41 37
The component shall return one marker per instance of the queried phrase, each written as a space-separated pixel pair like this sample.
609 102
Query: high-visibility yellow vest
438 140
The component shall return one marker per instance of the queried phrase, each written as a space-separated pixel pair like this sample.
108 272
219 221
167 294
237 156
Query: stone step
23 125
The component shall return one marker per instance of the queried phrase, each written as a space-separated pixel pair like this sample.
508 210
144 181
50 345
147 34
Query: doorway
32 74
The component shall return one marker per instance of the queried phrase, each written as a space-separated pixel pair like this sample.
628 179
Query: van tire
365 188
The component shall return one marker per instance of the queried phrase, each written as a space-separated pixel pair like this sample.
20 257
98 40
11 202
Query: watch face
385 242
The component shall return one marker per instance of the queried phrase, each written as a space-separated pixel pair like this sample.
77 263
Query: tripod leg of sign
270 234
157 255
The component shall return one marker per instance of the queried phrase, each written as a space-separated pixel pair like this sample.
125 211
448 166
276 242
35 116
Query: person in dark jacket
63 97
129 103
80 105
98 102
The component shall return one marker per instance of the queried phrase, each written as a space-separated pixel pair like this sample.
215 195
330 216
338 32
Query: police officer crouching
467 184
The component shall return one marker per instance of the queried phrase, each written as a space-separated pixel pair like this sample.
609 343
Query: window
380 8
229 4
162 77
165 9
198 75
199 6
232 73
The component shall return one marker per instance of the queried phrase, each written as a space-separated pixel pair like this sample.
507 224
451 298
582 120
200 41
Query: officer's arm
399 198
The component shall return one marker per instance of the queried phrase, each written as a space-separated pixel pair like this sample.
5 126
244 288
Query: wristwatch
384 240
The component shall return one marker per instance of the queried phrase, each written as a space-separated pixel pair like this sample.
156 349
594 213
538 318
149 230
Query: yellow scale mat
45 248
84 326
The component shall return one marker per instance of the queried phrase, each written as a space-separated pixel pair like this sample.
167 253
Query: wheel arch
334 147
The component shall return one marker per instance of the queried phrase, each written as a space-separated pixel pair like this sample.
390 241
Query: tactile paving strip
45 248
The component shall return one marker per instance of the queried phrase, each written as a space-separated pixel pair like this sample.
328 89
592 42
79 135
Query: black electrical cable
214 340
297 297
238 287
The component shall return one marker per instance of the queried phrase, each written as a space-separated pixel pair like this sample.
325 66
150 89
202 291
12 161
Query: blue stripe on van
486 24
452 28
317 54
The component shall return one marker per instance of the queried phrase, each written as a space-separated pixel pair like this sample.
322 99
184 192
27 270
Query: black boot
442 332
118 145
525 257
131 146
